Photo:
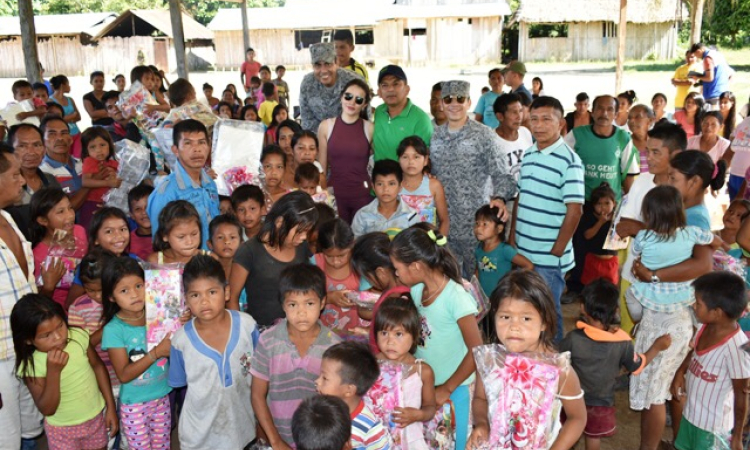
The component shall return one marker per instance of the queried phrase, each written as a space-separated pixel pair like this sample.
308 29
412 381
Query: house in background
410 32
60 40
584 30
155 26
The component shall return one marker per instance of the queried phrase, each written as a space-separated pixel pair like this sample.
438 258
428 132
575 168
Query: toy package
363 299
394 387
421 204
521 391
164 301
133 165
63 248
235 154
133 103
614 241
191 110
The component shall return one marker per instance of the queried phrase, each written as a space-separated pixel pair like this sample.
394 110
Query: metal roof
159 20
332 14
59 24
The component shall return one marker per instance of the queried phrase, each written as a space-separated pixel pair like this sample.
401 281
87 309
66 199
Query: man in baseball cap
321 89
397 117
514 73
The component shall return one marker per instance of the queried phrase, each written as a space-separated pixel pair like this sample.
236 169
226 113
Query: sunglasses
358 100
448 99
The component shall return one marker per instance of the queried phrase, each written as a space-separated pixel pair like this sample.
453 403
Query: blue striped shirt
550 179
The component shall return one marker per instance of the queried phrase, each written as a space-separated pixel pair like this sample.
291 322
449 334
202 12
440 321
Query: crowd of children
312 324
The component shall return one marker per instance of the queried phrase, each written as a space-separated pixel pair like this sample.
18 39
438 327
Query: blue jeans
556 283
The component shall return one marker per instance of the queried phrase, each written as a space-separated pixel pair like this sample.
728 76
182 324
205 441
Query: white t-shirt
631 209
513 150
741 148
710 397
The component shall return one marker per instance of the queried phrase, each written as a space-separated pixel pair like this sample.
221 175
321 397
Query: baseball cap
515 66
392 70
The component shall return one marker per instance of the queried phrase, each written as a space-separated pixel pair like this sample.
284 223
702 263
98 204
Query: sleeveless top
421 200
348 154
98 106
67 110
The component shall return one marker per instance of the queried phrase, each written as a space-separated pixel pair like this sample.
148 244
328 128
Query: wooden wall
585 43
68 56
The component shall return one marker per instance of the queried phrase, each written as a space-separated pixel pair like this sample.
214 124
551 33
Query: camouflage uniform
465 161
318 102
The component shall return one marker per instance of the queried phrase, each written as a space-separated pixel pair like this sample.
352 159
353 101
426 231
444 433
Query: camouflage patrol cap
323 52
455 88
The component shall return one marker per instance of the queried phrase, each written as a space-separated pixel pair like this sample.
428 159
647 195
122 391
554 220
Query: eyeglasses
448 99
358 100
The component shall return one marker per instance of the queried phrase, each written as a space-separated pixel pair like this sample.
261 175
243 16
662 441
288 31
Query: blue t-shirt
493 265
152 383
486 107
697 216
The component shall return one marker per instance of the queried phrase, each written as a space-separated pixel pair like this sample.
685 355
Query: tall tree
696 19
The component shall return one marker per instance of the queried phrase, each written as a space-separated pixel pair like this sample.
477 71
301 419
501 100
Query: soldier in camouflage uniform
320 91
465 156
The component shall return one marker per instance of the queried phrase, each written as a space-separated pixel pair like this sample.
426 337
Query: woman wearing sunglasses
344 148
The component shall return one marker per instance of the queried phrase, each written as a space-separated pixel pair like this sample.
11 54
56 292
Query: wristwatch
654 277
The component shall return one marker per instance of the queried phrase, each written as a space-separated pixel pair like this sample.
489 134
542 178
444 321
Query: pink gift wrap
165 302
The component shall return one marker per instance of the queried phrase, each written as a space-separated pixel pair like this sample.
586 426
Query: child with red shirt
141 241
98 151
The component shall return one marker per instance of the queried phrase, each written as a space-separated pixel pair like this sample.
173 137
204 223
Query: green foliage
202 10
729 25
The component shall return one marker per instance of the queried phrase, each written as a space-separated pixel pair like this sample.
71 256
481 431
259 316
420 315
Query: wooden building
586 30
411 32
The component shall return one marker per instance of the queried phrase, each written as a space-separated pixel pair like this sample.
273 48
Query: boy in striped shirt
715 373
348 371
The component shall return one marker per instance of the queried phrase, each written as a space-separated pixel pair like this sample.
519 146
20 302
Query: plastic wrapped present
521 394
724 261
13 108
396 383
164 301
161 141
614 241
133 104
237 145
474 288
421 204
63 247
192 110
325 196
133 166
363 299
440 432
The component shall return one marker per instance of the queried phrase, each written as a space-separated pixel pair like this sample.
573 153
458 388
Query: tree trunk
622 36
696 20
28 41
178 36
245 31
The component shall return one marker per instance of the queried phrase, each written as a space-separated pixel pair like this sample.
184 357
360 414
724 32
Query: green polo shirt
390 131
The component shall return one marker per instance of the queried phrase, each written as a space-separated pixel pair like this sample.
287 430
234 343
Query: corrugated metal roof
59 24
331 14
161 20
639 11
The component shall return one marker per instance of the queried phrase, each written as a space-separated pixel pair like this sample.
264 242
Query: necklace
131 319
426 301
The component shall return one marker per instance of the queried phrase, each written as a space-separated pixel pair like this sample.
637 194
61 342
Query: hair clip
305 211
440 241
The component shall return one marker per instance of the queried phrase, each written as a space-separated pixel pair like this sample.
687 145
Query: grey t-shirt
262 283
213 416
598 363
318 102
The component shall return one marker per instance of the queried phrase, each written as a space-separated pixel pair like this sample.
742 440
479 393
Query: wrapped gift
13 108
64 248
363 299
164 301
521 390
325 196
192 110
235 154
724 261
421 204
440 432
474 288
390 391
133 103
133 166
614 241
